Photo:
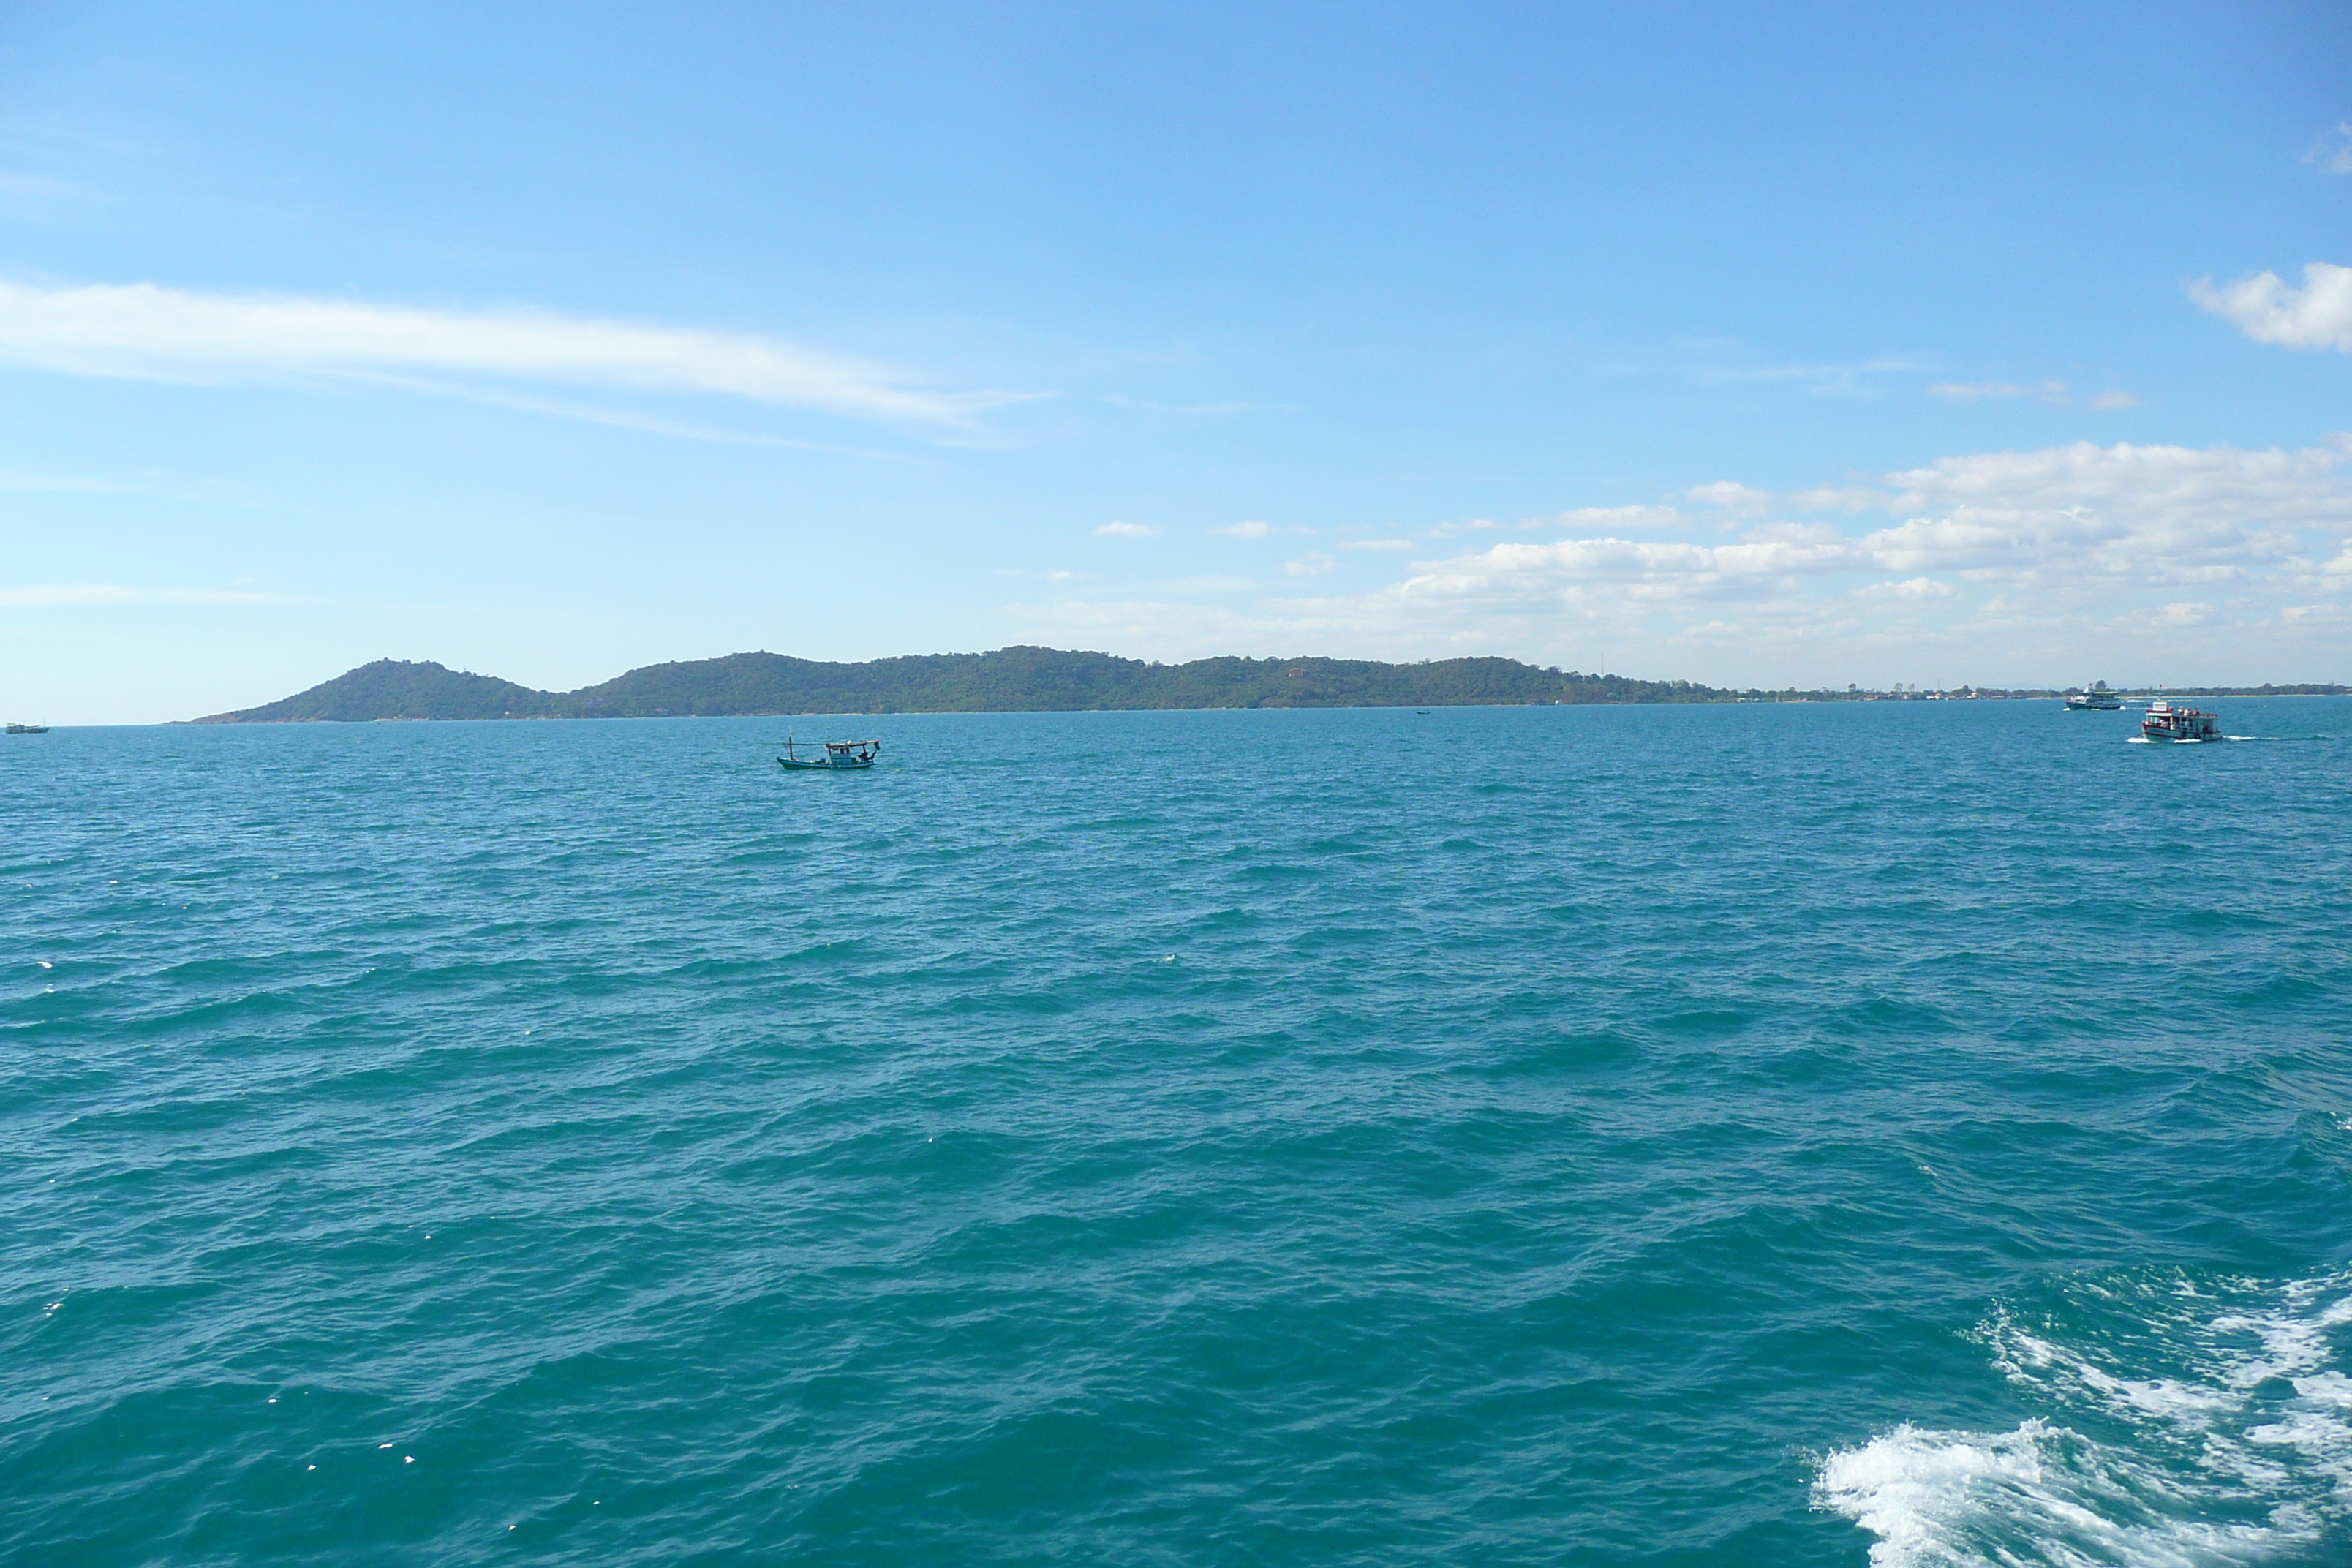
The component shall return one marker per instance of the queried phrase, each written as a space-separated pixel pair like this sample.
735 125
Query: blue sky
1747 343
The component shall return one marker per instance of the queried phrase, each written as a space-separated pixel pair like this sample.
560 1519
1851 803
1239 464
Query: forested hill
1012 680
396 688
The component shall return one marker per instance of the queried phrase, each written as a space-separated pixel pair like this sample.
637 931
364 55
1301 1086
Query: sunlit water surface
1803 1134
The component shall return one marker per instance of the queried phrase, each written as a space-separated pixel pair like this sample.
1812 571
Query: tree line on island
1010 680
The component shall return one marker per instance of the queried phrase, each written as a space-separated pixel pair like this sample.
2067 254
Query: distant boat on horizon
2094 697
28 729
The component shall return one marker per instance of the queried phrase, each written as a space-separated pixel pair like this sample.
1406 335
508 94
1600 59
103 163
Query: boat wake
2180 1425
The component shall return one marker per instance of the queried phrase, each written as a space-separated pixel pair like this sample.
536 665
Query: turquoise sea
1909 1133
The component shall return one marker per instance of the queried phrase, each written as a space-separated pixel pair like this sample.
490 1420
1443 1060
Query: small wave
2181 1426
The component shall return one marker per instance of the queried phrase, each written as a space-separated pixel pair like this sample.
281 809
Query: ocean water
1903 1134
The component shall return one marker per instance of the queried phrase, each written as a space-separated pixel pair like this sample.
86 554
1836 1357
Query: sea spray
2186 1421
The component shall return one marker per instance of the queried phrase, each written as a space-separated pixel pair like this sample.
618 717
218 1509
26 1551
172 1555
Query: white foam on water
2326 1388
2179 1428
2041 1494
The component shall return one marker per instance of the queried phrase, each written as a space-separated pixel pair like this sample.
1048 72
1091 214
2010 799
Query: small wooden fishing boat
836 756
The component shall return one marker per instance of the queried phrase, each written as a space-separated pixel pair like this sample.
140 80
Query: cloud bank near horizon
141 332
2059 552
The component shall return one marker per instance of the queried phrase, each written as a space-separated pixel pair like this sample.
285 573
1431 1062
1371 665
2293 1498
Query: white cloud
618 419
1616 517
2066 514
1642 569
2173 502
144 331
1379 544
1245 530
1979 391
2115 399
2333 151
2006 567
1145 404
1831 497
78 595
1823 380
1585 518
1125 531
2269 310
1311 564
1740 500
1210 585
1911 588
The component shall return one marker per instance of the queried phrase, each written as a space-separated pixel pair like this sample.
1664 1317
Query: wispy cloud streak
86 595
1979 391
141 330
2333 151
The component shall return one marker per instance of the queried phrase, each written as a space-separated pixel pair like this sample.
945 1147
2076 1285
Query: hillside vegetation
1012 680
1024 680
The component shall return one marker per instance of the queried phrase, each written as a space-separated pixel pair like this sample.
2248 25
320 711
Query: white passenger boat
2166 722
2094 698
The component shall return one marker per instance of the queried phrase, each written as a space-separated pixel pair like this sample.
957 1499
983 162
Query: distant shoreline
1050 680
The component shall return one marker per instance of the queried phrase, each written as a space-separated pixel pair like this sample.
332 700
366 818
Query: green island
1026 679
